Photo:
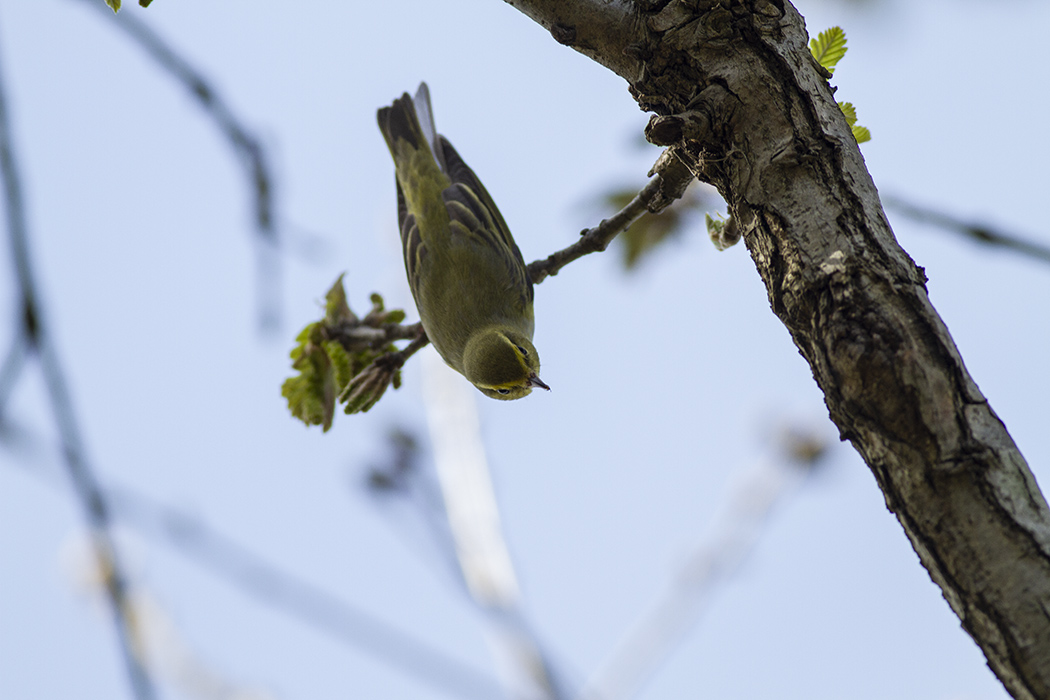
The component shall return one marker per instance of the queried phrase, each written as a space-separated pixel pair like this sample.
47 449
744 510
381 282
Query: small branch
714 561
669 180
251 574
356 336
11 370
247 146
977 232
412 348
35 336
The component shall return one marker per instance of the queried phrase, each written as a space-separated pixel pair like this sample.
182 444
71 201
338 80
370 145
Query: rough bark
741 102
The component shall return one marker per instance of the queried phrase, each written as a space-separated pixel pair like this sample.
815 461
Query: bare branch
246 145
476 532
250 573
978 232
34 332
357 336
713 562
669 180
11 370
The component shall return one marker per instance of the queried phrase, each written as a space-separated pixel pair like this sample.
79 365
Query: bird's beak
537 382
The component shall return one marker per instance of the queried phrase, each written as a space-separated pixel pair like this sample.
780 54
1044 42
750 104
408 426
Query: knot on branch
700 122
665 130
564 33
674 178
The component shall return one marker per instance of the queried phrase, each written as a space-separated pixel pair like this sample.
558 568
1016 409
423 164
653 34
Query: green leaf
336 309
342 365
310 394
850 111
333 367
723 232
114 5
861 133
829 47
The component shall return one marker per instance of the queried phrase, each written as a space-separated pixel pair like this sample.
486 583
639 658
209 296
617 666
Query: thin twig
11 370
248 147
597 239
669 178
35 333
357 336
978 232
252 574
715 560
412 348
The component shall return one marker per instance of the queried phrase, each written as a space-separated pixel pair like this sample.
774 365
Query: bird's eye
523 351
503 391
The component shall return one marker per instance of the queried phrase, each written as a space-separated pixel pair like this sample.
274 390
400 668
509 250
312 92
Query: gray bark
741 102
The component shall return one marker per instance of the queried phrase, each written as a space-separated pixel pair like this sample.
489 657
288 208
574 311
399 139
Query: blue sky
668 382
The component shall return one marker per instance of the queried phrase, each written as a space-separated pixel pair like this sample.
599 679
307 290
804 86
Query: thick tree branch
607 31
749 111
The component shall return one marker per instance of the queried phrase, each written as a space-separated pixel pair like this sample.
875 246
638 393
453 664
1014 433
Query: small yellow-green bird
466 273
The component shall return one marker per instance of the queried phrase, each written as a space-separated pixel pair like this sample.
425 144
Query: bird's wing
471 207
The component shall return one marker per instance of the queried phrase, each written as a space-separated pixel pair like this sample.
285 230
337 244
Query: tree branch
669 180
34 334
977 232
246 145
252 575
607 32
713 562
752 114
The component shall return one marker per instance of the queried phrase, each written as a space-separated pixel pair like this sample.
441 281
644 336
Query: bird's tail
411 119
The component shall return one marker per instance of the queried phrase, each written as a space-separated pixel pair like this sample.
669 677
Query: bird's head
502 364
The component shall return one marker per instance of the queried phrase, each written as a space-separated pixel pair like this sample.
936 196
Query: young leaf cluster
828 48
115 4
723 232
345 358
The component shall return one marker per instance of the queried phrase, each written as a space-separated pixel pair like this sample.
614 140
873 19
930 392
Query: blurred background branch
713 562
32 336
979 233
253 575
247 146
477 534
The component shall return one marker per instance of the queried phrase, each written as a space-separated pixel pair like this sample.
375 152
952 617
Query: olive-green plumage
466 273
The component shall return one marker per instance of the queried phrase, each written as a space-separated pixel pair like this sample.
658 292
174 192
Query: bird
468 279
